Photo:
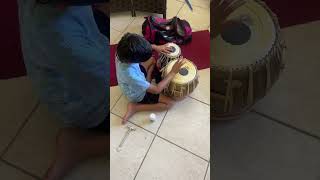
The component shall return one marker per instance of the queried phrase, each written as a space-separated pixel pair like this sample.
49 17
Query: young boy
134 66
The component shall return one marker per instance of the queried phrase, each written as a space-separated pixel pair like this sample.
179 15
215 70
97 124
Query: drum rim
196 75
169 55
277 46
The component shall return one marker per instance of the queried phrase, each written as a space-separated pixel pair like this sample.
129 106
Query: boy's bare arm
157 89
149 73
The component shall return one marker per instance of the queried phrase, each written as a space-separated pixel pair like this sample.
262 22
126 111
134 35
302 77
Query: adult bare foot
130 111
65 158
74 146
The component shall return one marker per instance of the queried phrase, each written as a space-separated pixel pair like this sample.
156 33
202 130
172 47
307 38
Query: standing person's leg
75 145
102 17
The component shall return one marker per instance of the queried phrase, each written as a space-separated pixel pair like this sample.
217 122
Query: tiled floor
177 145
28 133
280 138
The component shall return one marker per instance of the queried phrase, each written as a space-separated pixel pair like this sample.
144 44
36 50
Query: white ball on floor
153 117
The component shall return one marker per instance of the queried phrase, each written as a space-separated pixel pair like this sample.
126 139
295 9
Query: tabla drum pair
246 60
185 81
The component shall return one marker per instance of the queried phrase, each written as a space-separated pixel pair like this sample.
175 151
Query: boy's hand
176 67
165 49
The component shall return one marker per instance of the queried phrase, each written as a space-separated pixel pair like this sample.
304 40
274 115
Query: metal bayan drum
246 60
184 82
164 59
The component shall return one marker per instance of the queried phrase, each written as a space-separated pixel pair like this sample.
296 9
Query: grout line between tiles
287 125
116 102
135 124
194 5
205 176
149 147
126 28
163 137
199 100
180 8
20 129
154 137
115 30
164 117
20 169
182 148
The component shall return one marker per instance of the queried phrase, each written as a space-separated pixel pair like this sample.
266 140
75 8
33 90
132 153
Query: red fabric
11 63
293 12
198 51
289 12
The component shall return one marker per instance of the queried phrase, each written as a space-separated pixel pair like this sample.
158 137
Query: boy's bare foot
129 113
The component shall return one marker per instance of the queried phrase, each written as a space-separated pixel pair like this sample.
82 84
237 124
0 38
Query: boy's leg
163 104
166 100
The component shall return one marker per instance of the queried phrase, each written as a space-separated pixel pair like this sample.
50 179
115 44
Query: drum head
244 43
176 51
187 73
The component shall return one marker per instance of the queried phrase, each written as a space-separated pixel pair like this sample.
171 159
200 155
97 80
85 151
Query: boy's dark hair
133 48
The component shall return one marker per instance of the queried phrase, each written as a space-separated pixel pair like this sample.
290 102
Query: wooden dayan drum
246 60
184 82
164 59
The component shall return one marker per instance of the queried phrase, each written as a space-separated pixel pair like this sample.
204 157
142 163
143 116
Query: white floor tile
115 36
136 25
167 161
199 18
173 8
34 147
10 173
120 21
115 94
17 100
295 97
208 174
199 3
187 124
140 118
126 162
202 92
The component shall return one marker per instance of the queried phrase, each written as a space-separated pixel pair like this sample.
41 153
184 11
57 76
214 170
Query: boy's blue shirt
67 59
131 80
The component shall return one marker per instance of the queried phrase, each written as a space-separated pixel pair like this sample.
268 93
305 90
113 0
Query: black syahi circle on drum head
183 71
236 33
